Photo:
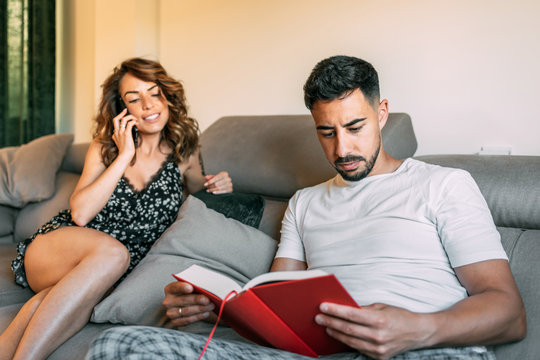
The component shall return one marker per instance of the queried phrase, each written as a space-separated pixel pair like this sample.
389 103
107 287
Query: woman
129 192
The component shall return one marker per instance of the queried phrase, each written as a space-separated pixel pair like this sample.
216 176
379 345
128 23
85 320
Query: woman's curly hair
181 132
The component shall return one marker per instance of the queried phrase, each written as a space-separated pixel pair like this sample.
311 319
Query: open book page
283 276
209 280
221 285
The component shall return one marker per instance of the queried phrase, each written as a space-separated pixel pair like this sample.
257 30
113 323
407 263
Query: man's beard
359 175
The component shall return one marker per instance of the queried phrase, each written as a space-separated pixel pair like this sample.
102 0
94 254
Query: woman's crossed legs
70 269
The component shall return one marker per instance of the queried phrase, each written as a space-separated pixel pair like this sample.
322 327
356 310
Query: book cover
276 309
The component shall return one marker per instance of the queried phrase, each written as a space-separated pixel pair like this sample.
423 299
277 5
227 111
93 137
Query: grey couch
276 155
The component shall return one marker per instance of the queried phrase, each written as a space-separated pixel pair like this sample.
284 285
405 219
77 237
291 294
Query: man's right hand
183 307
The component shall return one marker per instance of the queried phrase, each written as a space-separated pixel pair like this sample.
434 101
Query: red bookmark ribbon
234 293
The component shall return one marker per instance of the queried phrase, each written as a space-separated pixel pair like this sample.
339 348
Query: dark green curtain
28 70
3 69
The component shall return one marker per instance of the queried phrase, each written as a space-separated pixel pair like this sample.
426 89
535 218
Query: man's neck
385 164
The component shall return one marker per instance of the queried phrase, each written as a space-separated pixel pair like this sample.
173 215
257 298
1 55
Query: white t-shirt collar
340 181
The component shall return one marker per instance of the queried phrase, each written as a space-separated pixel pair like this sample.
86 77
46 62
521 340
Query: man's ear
382 113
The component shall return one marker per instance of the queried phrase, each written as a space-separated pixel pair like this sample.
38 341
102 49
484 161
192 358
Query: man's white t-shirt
394 238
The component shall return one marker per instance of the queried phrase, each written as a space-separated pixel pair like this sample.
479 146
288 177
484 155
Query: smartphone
119 105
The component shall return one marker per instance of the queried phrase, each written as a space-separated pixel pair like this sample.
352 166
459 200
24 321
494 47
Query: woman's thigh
51 256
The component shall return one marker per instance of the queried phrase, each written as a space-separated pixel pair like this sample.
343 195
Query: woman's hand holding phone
122 136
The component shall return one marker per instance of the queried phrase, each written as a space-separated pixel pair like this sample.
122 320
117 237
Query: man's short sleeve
464 222
290 244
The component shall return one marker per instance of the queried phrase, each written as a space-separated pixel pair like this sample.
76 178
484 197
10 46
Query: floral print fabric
135 218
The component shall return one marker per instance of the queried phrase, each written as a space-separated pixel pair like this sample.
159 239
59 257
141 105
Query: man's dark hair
337 76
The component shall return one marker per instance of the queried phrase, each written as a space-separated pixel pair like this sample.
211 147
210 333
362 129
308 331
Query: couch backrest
74 159
277 155
252 147
510 185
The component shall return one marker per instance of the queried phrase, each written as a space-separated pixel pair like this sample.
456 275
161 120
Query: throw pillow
246 208
199 236
28 172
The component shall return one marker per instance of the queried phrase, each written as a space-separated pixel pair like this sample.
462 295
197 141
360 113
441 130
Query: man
413 243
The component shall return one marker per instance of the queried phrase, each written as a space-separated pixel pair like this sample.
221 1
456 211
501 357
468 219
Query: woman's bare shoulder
95 145
94 154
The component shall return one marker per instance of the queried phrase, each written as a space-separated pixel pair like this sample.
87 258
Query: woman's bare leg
79 265
12 335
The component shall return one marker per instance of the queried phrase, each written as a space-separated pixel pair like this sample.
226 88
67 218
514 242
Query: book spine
251 318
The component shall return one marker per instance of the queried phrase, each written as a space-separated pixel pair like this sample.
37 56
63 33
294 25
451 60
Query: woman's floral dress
135 218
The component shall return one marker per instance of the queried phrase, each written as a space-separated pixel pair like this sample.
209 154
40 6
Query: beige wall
75 67
96 36
466 71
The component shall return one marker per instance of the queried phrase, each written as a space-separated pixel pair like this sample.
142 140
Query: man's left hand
378 330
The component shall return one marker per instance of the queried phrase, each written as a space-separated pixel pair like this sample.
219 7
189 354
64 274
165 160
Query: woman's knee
115 254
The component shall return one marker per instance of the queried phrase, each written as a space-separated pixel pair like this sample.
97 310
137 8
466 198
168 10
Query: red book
275 309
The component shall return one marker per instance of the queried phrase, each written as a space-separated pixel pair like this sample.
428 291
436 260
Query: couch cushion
509 185
7 220
6 239
74 159
10 293
199 236
36 214
252 148
21 166
272 216
523 247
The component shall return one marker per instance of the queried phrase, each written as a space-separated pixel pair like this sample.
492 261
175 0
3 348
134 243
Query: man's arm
493 313
285 264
